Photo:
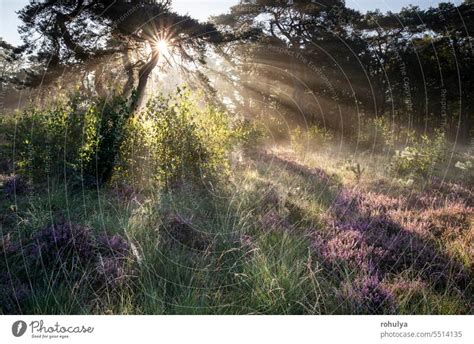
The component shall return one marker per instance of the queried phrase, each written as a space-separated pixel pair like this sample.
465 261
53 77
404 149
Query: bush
383 134
87 141
114 114
249 134
373 132
420 158
51 140
174 139
296 140
319 137
355 168
275 125
465 169
314 138
73 137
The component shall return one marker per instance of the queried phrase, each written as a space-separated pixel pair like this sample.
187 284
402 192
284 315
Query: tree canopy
80 36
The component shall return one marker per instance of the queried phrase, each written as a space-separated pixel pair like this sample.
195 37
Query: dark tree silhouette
84 36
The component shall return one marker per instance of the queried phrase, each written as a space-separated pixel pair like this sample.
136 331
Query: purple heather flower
274 221
114 245
64 241
369 295
111 271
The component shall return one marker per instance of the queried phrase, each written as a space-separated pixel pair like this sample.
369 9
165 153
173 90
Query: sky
199 9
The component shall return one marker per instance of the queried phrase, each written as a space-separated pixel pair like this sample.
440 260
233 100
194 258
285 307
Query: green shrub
55 139
465 169
73 137
382 134
174 139
249 134
314 138
277 127
420 158
318 136
114 113
376 133
297 141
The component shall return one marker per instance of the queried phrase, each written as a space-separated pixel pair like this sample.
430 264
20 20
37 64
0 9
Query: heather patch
182 233
348 246
62 255
401 285
273 221
378 233
367 295
60 244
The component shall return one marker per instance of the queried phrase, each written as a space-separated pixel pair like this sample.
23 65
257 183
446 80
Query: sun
162 46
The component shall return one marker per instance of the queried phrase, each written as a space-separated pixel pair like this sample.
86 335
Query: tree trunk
98 83
128 87
143 76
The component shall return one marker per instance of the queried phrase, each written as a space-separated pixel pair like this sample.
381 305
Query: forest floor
289 233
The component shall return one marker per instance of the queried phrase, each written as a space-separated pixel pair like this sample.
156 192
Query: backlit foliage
175 139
